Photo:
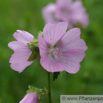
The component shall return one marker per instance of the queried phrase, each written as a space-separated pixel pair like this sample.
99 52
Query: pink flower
49 13
30 98
79 14
19 60
61 50
70 11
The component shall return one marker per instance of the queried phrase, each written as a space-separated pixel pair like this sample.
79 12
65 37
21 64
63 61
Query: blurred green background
26 15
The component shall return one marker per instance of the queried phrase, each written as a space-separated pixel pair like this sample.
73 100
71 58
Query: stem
49 88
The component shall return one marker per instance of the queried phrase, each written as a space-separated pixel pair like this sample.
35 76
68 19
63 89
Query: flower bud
31 97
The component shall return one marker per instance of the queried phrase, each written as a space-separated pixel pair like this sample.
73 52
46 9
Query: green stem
49 88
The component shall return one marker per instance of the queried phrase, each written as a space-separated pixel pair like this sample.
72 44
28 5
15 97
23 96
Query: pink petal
62 6
50 64
20 56
23 36
77 7
64 3
30 98
73 33
76 55
15 45
72 40
79 14
70 61
42 46
82 19
49 13
54 32
20 66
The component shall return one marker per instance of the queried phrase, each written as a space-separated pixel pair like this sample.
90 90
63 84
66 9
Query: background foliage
26 15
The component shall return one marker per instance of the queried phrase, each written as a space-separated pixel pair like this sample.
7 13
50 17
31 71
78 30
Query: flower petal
49 13
30 98
54 32
76 55
50 64
71 40
70 60
20 66
63 11
79 14
15 45
64 3
77 7
20 56
42 46
23 36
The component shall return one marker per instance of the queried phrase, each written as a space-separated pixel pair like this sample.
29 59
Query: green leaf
32 57
35 54
55 75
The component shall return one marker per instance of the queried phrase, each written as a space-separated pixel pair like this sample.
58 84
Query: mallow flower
31 97
69 11
61 50
19 60
49 13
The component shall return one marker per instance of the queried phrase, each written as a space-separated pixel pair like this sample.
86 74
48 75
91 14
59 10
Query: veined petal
20 66
70 61
73 33
50 64
15 45
72 68
49 13
43 47
54 32
76 55
48 31
71 40
20 56
78 44
23 36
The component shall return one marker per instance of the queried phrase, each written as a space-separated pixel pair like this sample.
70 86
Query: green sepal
33 56
35 51
40 32
33 89
55 75
34 42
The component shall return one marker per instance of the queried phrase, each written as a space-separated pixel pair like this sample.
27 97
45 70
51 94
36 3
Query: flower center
65 12
55 52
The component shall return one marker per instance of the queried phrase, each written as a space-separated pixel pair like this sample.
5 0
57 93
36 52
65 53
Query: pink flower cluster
70 11
59 50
